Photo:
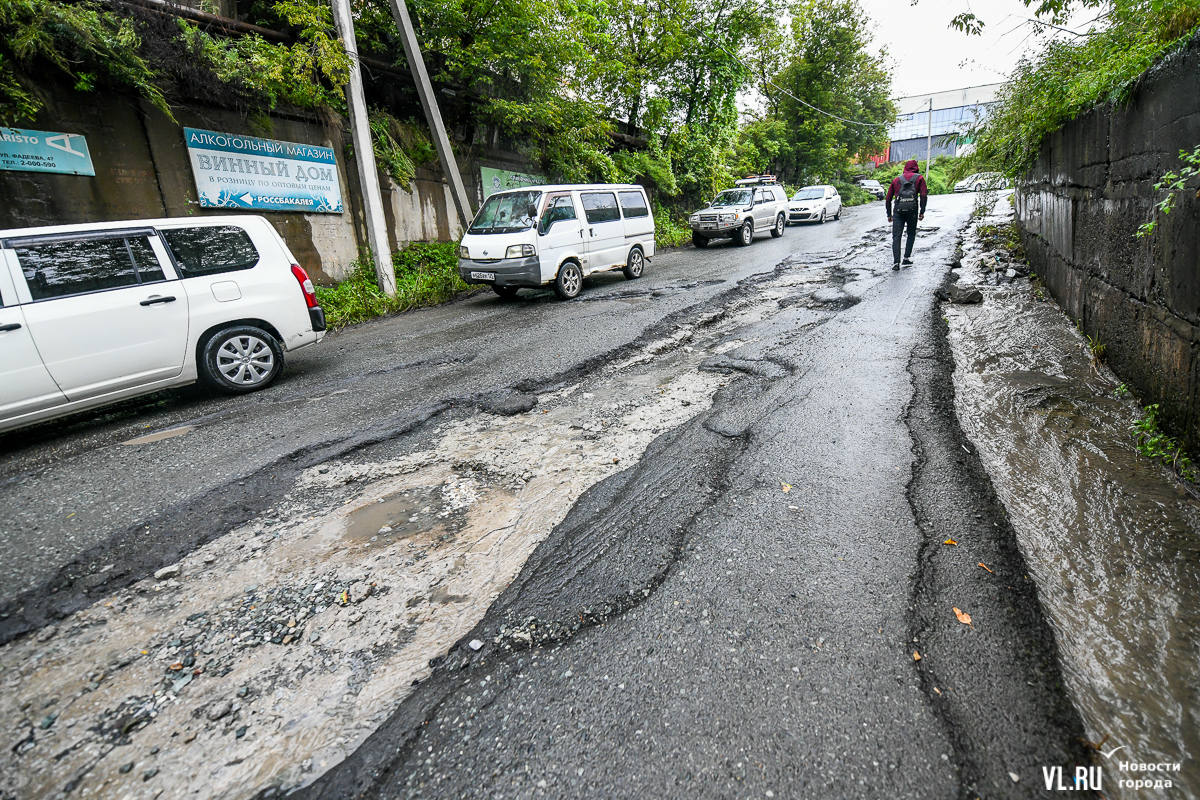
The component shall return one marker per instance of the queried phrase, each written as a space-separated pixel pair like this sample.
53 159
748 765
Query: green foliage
1156 445
826 63
426 274
80 39
852 194
1121 391
1072 75
87 43
670 227
1172 183
400 147
309 74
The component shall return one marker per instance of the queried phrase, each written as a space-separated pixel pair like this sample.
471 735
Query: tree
828 68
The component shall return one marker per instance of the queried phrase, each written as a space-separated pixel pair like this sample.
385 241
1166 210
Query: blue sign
246 172
44 151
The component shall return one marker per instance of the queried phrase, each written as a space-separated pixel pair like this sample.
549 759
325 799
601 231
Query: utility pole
929 142
412 51
364 154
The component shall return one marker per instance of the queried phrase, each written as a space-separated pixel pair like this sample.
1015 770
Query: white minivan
95 313
557 235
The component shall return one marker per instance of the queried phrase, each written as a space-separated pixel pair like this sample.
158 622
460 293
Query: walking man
909 191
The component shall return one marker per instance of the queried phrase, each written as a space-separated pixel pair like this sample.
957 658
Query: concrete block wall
1079 210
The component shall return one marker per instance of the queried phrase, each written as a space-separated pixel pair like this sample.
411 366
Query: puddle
1112 539
390 519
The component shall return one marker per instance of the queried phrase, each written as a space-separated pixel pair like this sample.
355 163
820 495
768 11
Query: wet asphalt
699 631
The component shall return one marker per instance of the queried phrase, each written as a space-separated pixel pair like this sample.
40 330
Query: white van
557 235
96 313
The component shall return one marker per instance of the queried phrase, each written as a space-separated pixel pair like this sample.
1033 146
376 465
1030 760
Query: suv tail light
306 285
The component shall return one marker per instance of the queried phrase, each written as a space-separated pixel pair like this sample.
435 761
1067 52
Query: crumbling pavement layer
265 656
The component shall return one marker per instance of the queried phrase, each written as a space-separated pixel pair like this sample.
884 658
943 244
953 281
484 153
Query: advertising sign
495 180
44 151
253 174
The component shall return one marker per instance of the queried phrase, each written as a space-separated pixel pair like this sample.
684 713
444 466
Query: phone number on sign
27 161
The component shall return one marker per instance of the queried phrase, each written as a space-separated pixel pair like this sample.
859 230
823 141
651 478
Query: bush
853 194
670 227
426 274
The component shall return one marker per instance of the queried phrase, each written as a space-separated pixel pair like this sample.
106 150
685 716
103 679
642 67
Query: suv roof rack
755 180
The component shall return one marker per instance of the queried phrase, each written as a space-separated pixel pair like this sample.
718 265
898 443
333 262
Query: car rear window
83 265
633 204
600 207
211 249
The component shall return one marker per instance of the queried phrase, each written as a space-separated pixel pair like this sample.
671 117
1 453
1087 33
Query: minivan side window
210 250
558 209
633 204
80 266
600 207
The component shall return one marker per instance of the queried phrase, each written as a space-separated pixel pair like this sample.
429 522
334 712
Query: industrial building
953 112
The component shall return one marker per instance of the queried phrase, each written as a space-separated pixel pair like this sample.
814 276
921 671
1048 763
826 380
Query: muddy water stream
1112 539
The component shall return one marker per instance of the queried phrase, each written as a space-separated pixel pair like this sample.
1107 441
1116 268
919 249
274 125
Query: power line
785 91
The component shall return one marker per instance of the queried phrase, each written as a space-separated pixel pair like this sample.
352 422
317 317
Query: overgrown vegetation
1156 445
426 274
670 227
1074 73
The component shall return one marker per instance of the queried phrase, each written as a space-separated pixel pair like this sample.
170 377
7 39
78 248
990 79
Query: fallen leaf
950 541
985 567
916 656
965 619
787 487
936 689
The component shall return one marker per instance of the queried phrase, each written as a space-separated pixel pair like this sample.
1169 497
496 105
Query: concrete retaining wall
142 172
1079 211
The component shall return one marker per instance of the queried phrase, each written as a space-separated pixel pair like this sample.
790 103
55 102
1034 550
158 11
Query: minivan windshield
811 193
734 197
510 212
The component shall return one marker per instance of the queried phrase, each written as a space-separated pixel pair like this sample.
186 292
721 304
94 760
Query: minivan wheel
780 222
507 292
699 241
569 282
240 359
745 235
634 264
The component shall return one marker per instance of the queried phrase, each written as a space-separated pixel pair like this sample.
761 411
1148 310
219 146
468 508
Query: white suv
755 204
91 314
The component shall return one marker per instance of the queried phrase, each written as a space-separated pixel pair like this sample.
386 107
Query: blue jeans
899 220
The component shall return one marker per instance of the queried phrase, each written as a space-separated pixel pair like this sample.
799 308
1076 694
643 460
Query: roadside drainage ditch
1111 538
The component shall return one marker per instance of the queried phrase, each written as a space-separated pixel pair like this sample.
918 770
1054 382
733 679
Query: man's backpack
906 199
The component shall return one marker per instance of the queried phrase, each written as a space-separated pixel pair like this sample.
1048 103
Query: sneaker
907 262
896 266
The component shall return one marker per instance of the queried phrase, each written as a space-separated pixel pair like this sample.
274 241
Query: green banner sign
497 180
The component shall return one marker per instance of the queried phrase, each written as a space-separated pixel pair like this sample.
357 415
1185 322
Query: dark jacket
910 169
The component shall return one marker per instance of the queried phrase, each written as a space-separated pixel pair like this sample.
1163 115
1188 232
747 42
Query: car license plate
483 276
707 226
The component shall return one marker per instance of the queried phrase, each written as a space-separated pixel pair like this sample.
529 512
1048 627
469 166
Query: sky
929 56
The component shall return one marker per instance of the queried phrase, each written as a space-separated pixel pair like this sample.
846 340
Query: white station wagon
96 313
556 236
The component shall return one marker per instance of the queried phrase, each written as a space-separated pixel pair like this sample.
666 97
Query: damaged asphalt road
694 630
735 613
